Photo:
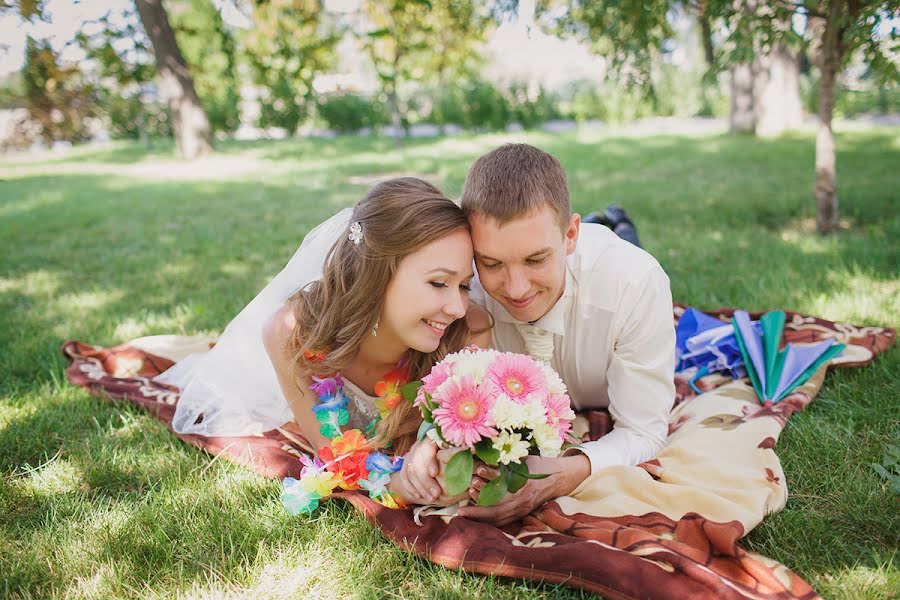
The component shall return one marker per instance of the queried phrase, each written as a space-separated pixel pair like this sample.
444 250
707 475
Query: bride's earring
375 329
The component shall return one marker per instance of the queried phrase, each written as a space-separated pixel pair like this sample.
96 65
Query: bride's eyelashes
441 284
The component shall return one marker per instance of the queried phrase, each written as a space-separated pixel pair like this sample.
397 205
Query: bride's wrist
397 488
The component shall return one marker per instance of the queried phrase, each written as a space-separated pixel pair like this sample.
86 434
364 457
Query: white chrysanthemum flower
507 414
555 384
533 412
473 364
548 440
511 446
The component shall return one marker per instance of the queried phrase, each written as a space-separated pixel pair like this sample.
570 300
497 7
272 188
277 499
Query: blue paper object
707 344
775 373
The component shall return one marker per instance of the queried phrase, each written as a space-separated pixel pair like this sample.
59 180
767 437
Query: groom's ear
571 233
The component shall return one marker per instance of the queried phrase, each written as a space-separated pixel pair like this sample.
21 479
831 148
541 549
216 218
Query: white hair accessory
356 233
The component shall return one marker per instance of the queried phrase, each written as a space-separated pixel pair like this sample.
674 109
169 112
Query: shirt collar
555 319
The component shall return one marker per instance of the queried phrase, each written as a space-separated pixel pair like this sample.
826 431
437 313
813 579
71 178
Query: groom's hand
567 473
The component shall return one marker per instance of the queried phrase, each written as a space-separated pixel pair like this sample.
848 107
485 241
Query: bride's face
429 291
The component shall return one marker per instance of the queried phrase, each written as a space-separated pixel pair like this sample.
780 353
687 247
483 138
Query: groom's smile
522 263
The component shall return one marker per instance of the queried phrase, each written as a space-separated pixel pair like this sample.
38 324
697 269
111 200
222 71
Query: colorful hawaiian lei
346 462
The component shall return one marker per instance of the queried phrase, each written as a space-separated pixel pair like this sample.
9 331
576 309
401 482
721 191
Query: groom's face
522 263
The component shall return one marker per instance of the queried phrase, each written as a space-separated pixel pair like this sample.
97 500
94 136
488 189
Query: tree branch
800 4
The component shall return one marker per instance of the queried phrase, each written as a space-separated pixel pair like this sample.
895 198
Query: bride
376 287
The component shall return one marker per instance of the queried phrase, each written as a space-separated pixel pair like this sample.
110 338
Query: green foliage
12 91
634 36
867 98
486 452
493 490
889 468
209 49
458 472
421 40
289 44
531 112
124 59
455 30
56 96
630 34
485 107
346 113
448 105
132 118
30 10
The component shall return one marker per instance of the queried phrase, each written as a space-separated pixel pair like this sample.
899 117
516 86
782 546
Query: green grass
98 500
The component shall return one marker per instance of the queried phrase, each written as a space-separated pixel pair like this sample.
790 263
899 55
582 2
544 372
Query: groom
597 308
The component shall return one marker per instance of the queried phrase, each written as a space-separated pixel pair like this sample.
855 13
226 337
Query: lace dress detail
361 408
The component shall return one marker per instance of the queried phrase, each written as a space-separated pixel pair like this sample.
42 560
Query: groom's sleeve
640 380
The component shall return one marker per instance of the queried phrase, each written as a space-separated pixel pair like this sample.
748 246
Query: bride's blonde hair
335 314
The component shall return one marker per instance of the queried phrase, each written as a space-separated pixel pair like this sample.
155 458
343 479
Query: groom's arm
640 381
641 392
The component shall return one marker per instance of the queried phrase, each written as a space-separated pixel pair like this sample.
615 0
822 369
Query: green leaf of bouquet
516 482
487 453
437 430
410 390
493 491
518 467
458 473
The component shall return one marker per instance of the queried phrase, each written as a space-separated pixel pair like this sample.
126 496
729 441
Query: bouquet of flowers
500 407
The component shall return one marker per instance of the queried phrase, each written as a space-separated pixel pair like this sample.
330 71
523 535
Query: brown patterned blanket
668 528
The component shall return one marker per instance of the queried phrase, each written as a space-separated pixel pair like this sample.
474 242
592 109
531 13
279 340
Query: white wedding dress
232 390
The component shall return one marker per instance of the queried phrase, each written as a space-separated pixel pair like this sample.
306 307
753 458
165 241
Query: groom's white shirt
613 342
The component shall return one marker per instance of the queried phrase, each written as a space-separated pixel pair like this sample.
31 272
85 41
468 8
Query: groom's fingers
487 473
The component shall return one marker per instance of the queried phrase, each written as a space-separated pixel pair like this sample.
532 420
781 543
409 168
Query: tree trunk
825 188
193 135
394 108
742 118
706 34
776 90
393 98
765 94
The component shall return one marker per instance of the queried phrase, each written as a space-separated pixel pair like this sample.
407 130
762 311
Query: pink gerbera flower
463 412
559 412
439 374
517 376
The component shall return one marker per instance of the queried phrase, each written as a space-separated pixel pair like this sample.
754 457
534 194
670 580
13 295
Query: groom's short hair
513 181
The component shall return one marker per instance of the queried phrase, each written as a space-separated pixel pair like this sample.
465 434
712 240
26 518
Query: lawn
104 245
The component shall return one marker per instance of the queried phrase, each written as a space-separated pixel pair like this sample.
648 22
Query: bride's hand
407 490
420 471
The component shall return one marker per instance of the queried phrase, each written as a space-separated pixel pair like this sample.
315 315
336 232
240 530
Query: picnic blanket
667 528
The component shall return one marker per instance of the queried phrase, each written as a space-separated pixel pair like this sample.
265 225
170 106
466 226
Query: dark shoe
616 215
616 219
597 218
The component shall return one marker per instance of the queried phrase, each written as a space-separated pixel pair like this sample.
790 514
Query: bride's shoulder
279 327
